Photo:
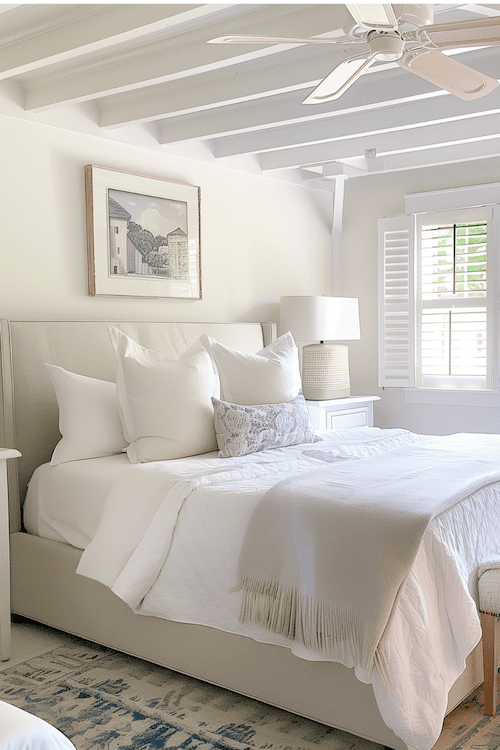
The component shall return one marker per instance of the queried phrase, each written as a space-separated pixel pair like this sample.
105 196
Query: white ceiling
149 66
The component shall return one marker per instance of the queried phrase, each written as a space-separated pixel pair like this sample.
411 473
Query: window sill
445 397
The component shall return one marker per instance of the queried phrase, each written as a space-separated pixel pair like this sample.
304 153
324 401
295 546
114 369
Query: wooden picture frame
143 235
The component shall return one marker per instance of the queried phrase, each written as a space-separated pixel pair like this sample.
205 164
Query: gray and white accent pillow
245 429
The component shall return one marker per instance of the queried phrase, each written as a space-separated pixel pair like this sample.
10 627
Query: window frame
487 196
455 382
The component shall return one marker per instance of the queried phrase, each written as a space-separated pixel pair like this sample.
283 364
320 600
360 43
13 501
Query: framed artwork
143 235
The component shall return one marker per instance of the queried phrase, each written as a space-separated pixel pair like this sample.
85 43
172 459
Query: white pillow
165 404
272 376
89 420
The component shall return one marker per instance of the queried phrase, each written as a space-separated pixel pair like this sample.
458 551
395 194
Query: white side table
342 413
5 453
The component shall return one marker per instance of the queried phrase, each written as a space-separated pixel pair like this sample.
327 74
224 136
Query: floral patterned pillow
247 429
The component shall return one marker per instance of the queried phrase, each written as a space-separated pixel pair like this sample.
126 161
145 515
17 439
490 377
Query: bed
46 587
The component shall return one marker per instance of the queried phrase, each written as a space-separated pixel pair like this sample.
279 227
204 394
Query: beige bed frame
45 587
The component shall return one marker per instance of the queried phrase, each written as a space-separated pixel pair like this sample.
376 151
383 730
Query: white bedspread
171 533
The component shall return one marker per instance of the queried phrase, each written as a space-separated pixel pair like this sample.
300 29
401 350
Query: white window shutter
494 296
396 302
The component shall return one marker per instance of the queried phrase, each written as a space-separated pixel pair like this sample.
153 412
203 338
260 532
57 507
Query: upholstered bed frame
46 589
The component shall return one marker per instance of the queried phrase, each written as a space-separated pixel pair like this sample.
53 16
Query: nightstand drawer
342 413
343 420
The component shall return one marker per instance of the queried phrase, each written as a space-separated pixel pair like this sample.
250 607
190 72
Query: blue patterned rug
103 700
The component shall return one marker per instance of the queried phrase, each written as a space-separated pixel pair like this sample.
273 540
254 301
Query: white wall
260 238
366 200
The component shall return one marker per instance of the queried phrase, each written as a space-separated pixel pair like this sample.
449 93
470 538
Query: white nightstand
5 453
341 413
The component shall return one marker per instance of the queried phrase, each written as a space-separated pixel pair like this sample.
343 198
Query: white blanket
187 573
366 520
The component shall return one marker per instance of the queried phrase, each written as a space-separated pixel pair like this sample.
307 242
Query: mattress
65 502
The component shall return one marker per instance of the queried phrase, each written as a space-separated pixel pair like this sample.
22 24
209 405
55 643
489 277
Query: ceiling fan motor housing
386 46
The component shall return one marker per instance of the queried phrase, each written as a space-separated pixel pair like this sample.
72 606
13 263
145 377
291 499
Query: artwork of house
126 256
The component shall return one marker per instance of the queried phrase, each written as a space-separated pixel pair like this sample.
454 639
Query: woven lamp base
325 371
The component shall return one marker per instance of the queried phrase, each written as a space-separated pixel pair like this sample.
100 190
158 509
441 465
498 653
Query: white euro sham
272 376
89 420
165 404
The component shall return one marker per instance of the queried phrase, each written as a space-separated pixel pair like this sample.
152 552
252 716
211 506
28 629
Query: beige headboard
28 407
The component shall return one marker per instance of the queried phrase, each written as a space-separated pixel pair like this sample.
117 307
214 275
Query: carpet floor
103 700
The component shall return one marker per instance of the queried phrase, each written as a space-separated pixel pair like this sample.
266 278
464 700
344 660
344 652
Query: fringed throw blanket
325 553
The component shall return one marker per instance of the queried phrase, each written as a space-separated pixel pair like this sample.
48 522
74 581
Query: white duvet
169 540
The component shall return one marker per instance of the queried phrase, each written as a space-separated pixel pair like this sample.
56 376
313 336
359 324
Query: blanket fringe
318 625
283 610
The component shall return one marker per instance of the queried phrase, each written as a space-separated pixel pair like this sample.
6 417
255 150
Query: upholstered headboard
28 407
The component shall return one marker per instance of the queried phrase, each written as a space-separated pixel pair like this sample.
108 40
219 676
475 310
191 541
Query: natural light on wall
452 319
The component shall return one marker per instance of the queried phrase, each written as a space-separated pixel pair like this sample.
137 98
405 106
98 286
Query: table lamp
325 366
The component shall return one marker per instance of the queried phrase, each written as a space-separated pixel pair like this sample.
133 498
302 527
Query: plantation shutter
454 284
494 296
396 302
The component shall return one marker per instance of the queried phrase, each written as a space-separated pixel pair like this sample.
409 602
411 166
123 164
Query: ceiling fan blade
448 74
373 16
242 39
478 32
339 79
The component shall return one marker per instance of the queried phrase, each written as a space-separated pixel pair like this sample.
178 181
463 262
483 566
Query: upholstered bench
489 606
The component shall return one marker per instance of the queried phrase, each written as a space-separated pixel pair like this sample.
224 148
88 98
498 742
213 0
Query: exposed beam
240 83
169 60
87 29
339 125
383 120
411 139
195 111
4 8
281 110
233 118
431 157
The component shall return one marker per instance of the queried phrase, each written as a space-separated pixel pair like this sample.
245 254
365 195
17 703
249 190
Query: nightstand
5 453
342 413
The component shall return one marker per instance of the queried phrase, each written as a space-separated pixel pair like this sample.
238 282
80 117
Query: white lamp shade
320 318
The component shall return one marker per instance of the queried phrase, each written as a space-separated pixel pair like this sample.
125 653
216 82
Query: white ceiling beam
437 156
481 10
186 55
240 83
229 119
411 139
4 8
188 107
87 29
384 120
392 116
281 110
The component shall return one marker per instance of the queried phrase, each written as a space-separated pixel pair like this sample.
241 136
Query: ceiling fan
404 34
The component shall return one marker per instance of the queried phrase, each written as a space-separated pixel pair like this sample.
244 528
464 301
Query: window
439 301
451 299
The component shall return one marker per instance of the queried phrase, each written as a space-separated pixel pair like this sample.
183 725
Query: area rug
103 700
468 728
